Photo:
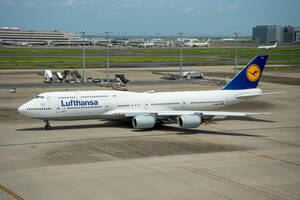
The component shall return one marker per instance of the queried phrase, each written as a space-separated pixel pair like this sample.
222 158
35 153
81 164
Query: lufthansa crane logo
253 73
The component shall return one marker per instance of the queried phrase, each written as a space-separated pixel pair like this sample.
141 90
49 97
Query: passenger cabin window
39 97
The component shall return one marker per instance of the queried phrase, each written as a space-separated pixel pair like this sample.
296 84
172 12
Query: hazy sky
149 17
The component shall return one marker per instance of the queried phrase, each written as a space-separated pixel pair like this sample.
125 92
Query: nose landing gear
47 126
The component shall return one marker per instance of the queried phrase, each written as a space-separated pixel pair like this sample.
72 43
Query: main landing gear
47 126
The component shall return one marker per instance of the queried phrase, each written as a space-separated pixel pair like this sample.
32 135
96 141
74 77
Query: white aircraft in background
268 47
186 108
147 44
227 39
197 44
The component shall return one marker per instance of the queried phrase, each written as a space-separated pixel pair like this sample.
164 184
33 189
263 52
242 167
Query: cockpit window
39 97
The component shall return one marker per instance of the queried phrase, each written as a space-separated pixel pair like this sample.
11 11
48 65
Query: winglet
249 77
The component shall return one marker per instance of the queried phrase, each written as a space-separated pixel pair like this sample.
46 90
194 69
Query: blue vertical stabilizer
249 77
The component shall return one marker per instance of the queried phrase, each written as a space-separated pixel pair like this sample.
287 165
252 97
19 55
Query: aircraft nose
21 109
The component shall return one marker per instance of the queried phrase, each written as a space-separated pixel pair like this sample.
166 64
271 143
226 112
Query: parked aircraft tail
249 77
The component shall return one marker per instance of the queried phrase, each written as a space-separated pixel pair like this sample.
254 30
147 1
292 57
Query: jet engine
189 121
143 121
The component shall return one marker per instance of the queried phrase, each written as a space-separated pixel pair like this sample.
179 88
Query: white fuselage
96 104
268 47
196 44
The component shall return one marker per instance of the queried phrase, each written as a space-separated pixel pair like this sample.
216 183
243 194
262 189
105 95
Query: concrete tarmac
229 158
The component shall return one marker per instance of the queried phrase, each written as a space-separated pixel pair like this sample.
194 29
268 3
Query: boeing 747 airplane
186 108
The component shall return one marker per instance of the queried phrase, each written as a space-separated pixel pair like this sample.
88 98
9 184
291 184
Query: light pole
107 68
83 56
236 47
180 34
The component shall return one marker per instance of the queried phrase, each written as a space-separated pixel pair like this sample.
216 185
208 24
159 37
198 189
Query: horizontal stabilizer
269 93
241 96
247 96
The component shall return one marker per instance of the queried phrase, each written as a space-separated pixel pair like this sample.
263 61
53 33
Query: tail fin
249 77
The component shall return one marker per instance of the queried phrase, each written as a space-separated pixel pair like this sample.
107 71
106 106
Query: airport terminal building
288 34
267 34
273 33
18 37
296 37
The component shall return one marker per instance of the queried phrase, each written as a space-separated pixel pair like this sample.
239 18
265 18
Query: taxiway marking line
292 163
229 147
183 136
10 192
201 140
269 157
281 142
263 138
197 139
254 129
170 133
249 152
213 143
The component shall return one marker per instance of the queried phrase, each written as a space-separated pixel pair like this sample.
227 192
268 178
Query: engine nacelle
143 121
189 121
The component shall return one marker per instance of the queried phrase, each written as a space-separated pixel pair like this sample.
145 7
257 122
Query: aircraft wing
173 113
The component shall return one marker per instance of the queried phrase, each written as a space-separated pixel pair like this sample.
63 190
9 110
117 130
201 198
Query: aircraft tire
47 127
